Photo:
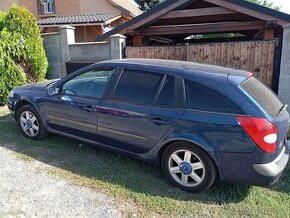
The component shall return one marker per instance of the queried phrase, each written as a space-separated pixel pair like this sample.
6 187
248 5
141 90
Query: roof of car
185 66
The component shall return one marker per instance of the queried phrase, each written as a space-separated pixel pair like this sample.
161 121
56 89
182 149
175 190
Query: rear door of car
127 119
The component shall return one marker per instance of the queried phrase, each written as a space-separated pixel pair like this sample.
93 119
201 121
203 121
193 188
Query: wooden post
137 41
269 34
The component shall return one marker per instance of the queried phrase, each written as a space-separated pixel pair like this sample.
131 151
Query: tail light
263 132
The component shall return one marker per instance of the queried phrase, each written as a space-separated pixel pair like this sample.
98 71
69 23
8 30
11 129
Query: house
184 21
90 17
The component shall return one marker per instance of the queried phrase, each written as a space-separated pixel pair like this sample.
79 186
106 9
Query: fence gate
254 56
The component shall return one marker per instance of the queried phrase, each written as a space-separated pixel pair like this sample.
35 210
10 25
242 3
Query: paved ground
27 191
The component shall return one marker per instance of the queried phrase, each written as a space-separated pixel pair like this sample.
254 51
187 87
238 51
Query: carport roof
79 19
161 11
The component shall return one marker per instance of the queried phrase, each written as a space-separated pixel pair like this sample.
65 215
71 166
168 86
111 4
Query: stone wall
61 48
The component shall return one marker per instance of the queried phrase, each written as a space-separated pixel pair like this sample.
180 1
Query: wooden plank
257 59
244 55
203 28
237 55
264 60
197 12
270 69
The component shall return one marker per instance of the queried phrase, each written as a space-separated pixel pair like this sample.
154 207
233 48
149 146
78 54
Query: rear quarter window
201 98
263 95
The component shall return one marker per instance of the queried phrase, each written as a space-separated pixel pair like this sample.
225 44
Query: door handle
90 108
159 121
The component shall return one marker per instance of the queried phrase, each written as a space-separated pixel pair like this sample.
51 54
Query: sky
284 3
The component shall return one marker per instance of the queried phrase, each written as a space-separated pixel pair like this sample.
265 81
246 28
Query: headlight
11 94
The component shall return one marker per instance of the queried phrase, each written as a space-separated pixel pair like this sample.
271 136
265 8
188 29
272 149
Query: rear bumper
276 167
242 167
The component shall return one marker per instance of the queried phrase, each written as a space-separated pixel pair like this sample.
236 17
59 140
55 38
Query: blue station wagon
197 122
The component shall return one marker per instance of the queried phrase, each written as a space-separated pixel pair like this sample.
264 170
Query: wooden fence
254 56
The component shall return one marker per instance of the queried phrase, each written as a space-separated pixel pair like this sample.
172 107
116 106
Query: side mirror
51 90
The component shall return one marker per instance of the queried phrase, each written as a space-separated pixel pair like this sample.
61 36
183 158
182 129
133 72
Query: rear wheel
30 123
188 167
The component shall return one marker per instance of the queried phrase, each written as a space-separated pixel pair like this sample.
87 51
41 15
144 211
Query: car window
264 96
202 98
171 94
137 86
91 83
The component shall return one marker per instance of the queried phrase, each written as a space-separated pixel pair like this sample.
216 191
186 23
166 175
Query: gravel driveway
27 191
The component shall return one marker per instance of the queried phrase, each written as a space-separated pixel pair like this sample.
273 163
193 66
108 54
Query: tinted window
262 95
201 98
92 83
138 87
171 93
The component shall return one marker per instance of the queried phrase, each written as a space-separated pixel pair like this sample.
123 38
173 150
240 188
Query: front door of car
127 119
75 109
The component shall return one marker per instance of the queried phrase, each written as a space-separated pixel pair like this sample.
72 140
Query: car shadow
99 165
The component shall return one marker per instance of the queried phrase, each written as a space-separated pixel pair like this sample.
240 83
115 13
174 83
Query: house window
46 7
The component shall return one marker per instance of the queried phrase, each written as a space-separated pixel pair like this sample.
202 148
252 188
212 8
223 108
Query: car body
196 121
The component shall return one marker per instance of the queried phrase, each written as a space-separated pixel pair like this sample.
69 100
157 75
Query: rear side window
202 98
137 87
171 94
262 95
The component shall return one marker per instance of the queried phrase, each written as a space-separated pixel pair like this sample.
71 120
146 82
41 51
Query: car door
75 109
125 119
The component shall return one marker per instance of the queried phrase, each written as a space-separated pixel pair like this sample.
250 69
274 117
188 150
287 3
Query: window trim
113 69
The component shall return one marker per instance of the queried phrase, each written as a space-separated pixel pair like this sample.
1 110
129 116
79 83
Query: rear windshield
264 96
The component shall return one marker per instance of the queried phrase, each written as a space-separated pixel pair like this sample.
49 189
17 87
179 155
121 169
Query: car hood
40 84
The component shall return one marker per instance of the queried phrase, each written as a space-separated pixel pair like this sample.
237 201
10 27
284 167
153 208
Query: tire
188 167
30 123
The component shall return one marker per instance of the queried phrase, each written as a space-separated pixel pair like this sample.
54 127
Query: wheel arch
204 146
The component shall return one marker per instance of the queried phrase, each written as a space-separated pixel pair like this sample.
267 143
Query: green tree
148 4
266 3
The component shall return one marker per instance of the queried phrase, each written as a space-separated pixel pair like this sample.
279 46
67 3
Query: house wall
284 80
96 6
6 4
65 7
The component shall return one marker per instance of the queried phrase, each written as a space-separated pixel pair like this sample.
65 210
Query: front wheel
188 167
30 123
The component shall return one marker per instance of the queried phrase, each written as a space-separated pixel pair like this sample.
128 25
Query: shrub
20 20
12 47
22 56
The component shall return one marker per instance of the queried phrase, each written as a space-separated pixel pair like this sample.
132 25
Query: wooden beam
197 12
137 41
156 15
240 9
269 34
203 28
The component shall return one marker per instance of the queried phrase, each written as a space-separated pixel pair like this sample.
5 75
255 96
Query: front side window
202 98
137 86
92 84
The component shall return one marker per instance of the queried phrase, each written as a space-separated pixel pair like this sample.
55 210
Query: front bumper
276 167
11 102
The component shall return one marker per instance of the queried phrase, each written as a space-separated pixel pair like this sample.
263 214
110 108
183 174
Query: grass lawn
131 180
